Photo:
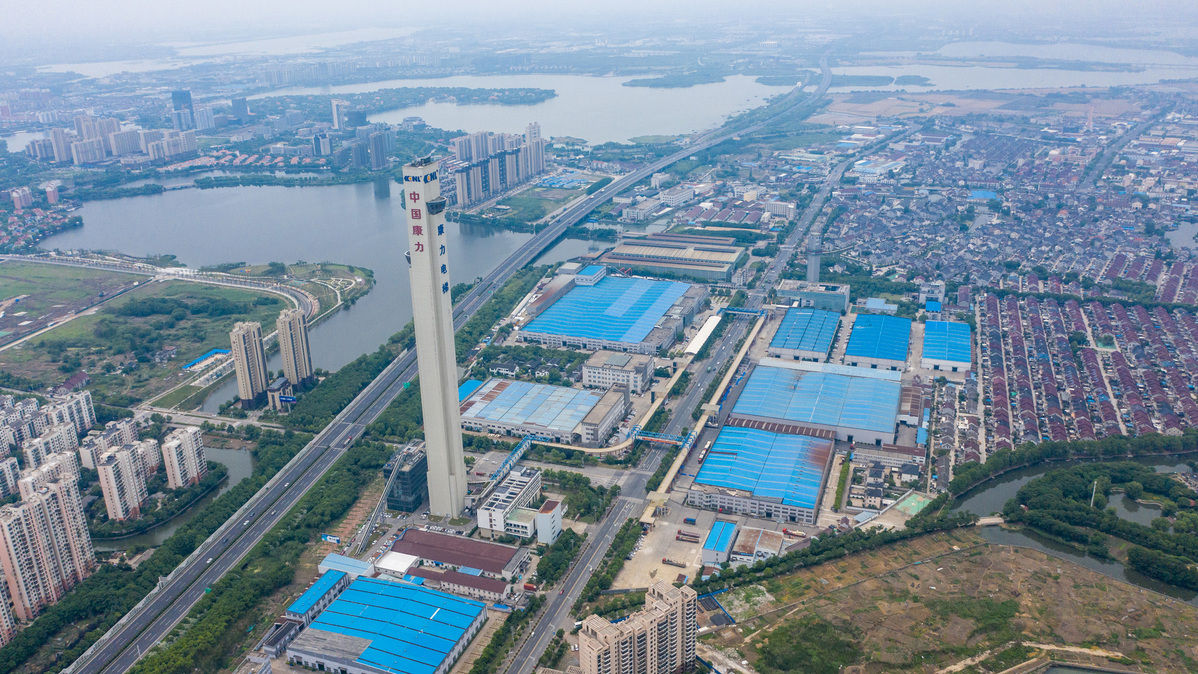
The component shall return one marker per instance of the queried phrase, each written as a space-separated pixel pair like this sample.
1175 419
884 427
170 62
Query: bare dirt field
945 599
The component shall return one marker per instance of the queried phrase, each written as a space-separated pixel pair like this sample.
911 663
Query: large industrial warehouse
382 627
568 415
879 342
854 404
618 313
946 347
762 473
805 334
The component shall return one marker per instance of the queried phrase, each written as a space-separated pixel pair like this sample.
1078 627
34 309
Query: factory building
826 296
805 334
605 369
821 399
879 342
566 415
383 627
702 257
617 313
947 346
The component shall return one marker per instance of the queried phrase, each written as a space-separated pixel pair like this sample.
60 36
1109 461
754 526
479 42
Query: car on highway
209 561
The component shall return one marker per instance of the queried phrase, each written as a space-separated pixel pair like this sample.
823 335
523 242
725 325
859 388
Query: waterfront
240 464
593 108
991 498
352 224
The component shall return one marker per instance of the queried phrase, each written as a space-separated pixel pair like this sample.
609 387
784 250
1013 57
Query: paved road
632 500
151 620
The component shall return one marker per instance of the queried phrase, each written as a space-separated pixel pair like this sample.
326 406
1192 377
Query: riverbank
182 510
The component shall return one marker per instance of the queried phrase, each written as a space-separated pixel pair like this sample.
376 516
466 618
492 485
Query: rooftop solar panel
883 337
816 397
806 329
788 468
617 309
947 340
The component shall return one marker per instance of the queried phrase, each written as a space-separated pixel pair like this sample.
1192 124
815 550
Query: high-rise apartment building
204 118
249 361
436 355
241 108
88 151
10 472
76 408
62 145
340 109
60 437
292 326
183 456
182 110
123 483
380 147
8 622
486 164
45 549
658 639
22 198
63 466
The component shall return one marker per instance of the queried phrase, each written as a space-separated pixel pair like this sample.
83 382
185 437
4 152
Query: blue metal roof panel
825 398
617 308
947 340
310 596
875 336
523 403
411 629
720 536
789 468
343 563
806 329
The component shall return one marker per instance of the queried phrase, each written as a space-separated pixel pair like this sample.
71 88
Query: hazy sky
55 22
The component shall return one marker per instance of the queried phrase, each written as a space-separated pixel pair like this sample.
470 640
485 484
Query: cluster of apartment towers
45 547
249 360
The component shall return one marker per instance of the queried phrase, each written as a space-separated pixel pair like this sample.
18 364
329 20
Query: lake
994 495
18 140
974 77
351 224
240 464
599 109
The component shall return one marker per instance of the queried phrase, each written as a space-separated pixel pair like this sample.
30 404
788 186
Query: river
353 224
991 499
240 464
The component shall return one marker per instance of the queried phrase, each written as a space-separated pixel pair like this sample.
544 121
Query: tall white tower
432 312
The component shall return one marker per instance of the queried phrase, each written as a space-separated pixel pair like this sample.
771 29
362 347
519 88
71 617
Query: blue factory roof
617 309
932 305
469 386
789 468
411 629
308 599
521 403
833 396
720 536
946 340
885 337
346 564
806 329
591 270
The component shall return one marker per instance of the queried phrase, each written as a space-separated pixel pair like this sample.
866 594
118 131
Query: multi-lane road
156 615
632 501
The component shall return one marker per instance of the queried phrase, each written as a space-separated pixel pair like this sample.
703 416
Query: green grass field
117 344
